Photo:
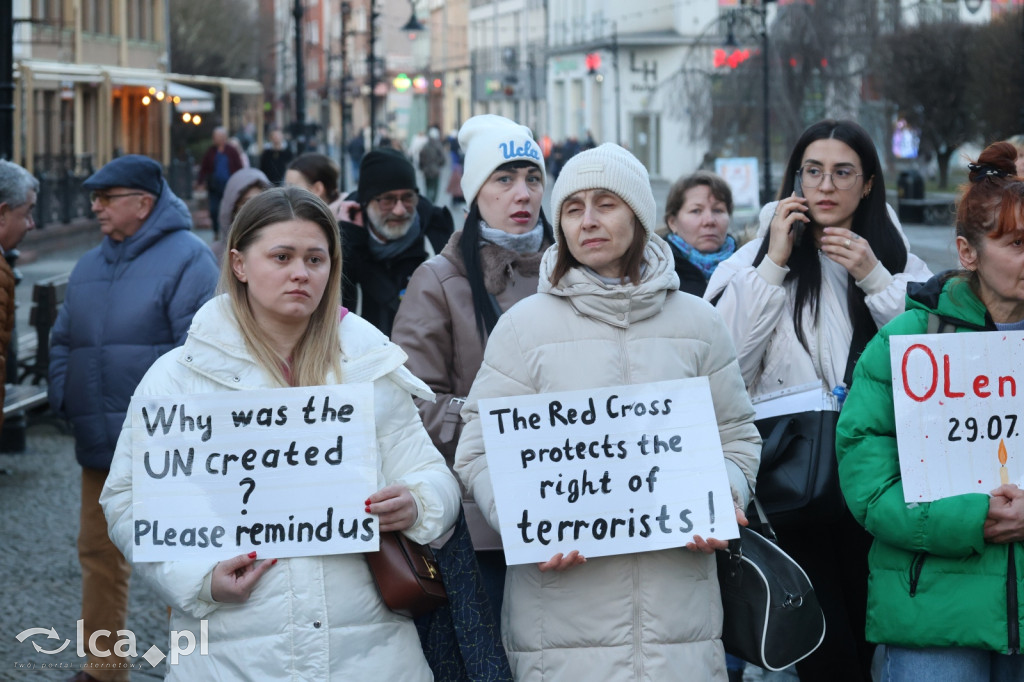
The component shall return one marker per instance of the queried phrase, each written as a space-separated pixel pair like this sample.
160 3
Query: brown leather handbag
407 575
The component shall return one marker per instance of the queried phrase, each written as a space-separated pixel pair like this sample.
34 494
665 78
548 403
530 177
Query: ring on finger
848 242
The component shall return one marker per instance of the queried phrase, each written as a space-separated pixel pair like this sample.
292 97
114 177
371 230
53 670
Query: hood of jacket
216 349
238 182
618 304
169 214
496 262
952 299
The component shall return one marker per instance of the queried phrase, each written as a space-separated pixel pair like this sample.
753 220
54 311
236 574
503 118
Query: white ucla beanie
609 167
489 141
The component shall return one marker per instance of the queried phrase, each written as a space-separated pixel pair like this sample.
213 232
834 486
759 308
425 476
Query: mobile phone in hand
798 225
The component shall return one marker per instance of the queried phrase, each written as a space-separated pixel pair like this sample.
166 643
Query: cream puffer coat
311 618
757 305
647 616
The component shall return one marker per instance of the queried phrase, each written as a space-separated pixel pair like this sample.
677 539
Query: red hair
992 201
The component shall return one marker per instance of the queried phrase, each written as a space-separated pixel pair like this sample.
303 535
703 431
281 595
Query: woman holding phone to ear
826 271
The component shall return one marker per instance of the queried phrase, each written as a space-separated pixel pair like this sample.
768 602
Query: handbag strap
778 440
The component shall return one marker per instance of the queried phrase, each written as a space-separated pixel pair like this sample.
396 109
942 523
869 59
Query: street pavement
39 500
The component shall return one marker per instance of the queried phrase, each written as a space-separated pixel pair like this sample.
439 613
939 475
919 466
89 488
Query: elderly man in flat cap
128 301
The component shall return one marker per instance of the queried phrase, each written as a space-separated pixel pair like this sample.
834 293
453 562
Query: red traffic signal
731 59
593 62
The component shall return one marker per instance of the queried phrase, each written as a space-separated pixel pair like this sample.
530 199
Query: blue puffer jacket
127 303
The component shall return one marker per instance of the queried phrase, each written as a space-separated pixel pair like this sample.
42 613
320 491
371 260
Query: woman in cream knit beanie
609 167
607 313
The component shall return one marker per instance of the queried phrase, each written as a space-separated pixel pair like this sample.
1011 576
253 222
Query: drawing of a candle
1004 475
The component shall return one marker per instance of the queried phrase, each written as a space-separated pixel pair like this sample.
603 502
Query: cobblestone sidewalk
41 583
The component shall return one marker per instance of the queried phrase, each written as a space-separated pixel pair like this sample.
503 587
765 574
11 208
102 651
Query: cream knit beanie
609 167
489 141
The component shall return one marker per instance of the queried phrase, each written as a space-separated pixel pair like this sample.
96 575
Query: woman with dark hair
317 173
945 575
697 213
278 323
454 299
829 267
608 312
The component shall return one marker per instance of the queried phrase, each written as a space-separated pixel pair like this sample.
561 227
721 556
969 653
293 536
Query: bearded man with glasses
128 301
388 229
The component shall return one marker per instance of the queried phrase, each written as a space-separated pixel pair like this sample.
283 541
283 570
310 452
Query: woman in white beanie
609 313
454 300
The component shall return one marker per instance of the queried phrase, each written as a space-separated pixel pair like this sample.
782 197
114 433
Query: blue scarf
705 262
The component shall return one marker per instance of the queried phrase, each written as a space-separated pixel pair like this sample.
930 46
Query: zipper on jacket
1012 619
915 571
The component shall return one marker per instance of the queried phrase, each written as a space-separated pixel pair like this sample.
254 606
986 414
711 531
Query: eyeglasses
842 178
104 199
388 201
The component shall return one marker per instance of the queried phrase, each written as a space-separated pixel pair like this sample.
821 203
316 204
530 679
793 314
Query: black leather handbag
771 614
798 480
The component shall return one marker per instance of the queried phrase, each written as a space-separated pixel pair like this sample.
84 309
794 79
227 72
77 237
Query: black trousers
835 557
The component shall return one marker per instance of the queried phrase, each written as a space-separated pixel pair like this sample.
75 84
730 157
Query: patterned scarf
705 262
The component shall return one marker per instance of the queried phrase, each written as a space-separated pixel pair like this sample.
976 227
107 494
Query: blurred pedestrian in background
219 163
828 268
697 214
454 299
264 621
431 163
945 575
128 301
317 173
275 157
241 187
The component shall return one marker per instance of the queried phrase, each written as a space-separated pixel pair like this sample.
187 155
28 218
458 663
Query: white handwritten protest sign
957 410
607 471
284 472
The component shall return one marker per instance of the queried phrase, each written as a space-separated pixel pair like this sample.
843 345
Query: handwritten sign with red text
959 412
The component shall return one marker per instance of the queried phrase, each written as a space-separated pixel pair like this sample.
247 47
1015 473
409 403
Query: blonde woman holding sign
945 589
277 325
609 313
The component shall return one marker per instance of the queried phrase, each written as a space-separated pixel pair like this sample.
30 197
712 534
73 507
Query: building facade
92 82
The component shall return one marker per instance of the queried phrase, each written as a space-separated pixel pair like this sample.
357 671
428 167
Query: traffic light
731 59
593 62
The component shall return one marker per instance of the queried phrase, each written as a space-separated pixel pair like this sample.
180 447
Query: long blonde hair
317 353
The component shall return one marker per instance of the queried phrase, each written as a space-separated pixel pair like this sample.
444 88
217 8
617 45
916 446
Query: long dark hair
484 309
871 220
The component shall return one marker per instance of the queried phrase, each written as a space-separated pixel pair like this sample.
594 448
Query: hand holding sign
235 579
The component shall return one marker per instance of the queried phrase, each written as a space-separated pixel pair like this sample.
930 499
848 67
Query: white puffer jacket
646 616
313 618
757 305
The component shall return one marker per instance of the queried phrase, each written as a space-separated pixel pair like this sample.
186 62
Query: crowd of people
308 285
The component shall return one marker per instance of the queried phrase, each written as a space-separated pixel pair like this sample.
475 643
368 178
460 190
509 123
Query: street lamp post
766 121
300 81
6 79
762 14
371 69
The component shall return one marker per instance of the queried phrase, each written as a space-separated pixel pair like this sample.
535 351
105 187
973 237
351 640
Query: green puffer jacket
934 580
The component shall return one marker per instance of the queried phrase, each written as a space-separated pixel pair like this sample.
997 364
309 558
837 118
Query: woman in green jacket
947 577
